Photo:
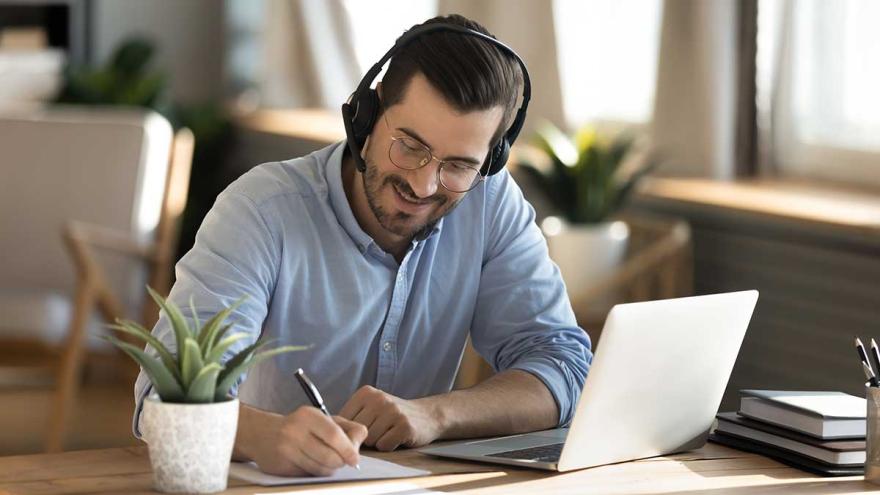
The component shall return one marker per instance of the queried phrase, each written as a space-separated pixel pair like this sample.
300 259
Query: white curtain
818 76
527 27
309 58
694 125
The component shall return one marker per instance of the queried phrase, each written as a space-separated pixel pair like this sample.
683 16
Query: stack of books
820 432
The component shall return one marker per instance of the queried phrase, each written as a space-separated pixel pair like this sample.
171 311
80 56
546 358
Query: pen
314 396
875 353
869 374
864 357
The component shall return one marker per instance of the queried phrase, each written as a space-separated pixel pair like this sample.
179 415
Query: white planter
190 444
586 254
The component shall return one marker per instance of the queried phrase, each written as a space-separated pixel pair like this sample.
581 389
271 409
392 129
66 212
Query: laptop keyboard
543 453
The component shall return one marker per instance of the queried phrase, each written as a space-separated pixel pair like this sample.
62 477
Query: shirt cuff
139 407
558 379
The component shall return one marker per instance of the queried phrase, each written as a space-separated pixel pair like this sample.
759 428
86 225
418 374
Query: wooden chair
658 265
82 241
100 185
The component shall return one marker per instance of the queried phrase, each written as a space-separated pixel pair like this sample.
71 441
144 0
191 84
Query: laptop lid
657 378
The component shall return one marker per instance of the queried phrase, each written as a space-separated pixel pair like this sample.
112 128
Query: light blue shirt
284 233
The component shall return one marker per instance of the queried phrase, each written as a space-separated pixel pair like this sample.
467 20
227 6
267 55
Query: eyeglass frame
479 179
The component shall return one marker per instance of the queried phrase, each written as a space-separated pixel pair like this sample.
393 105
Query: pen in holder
872 438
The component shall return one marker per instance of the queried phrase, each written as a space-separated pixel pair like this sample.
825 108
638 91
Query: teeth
406 197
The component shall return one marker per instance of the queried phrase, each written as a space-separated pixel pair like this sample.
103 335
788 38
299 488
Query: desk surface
713 469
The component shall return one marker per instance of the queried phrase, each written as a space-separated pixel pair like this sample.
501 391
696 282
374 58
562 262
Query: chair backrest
104 166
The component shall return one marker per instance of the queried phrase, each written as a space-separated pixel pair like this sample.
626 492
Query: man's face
408 203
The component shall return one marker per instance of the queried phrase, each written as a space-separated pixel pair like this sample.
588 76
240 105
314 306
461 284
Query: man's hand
305 442
391 421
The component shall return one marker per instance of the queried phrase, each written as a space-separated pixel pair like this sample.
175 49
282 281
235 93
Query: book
839 452
825 415
786 457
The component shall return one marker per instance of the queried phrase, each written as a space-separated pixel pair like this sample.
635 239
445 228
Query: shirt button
386 346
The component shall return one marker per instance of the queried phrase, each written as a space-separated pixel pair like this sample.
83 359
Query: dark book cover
786 457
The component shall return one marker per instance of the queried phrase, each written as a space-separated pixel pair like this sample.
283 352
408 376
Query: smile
408 203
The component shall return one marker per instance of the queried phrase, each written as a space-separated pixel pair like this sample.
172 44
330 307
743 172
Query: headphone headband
360 112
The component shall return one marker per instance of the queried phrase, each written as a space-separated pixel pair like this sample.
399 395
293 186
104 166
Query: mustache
404 187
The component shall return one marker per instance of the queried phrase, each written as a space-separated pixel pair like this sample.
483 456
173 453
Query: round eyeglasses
409 154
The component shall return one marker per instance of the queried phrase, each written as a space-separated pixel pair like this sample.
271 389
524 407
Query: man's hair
471 74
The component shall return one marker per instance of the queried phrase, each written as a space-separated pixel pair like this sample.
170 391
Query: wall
189 37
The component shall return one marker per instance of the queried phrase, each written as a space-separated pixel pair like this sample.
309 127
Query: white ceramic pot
585 254
190 444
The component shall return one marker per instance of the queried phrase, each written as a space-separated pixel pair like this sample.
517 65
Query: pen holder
872 438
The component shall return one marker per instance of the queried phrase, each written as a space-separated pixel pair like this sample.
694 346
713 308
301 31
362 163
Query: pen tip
357 466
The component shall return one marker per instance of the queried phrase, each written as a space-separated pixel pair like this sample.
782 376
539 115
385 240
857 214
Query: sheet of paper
393 488
371 469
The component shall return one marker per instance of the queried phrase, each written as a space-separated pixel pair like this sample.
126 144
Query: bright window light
376 24
607 54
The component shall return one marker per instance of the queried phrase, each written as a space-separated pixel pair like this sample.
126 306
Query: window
607 54
818 75
376 25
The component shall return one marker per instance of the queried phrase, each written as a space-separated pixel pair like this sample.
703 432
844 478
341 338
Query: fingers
316 444
356 432
391 439
356 403
331 434
379 428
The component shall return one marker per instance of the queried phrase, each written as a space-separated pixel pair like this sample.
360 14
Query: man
388 271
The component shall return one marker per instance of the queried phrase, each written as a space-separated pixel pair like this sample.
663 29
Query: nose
424 181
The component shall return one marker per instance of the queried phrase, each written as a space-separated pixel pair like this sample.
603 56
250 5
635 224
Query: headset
361 111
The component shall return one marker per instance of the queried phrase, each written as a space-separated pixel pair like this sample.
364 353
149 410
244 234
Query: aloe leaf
242 356
201 390
217 351
178 322
168 388
142 333
229 375
191 363
209 333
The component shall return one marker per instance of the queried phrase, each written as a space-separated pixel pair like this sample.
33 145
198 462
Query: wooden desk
713 469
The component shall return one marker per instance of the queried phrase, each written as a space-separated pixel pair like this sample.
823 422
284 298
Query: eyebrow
411 133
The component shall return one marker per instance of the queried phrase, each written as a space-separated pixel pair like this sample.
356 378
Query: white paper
371 469
393 488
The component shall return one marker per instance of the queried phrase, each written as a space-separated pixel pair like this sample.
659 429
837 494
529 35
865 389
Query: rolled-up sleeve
235 255
523 318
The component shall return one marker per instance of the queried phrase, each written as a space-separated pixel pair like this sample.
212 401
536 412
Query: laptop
654 387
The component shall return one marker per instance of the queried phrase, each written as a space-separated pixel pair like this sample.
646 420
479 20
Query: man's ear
379 90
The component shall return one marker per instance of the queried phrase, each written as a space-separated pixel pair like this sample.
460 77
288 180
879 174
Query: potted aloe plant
587 179
190 423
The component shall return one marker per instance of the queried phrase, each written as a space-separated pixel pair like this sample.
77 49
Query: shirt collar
342 208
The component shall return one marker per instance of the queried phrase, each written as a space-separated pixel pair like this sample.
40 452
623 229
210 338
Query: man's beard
396 223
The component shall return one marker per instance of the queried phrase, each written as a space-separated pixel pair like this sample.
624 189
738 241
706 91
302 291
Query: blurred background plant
588 177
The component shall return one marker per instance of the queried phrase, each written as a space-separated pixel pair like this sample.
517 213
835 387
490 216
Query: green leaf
178 322
242 356
234 370
221 347
210 333
142 333
202 388
191 363
168 388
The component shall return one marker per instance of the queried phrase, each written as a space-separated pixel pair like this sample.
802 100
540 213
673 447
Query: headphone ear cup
367 111
499 156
